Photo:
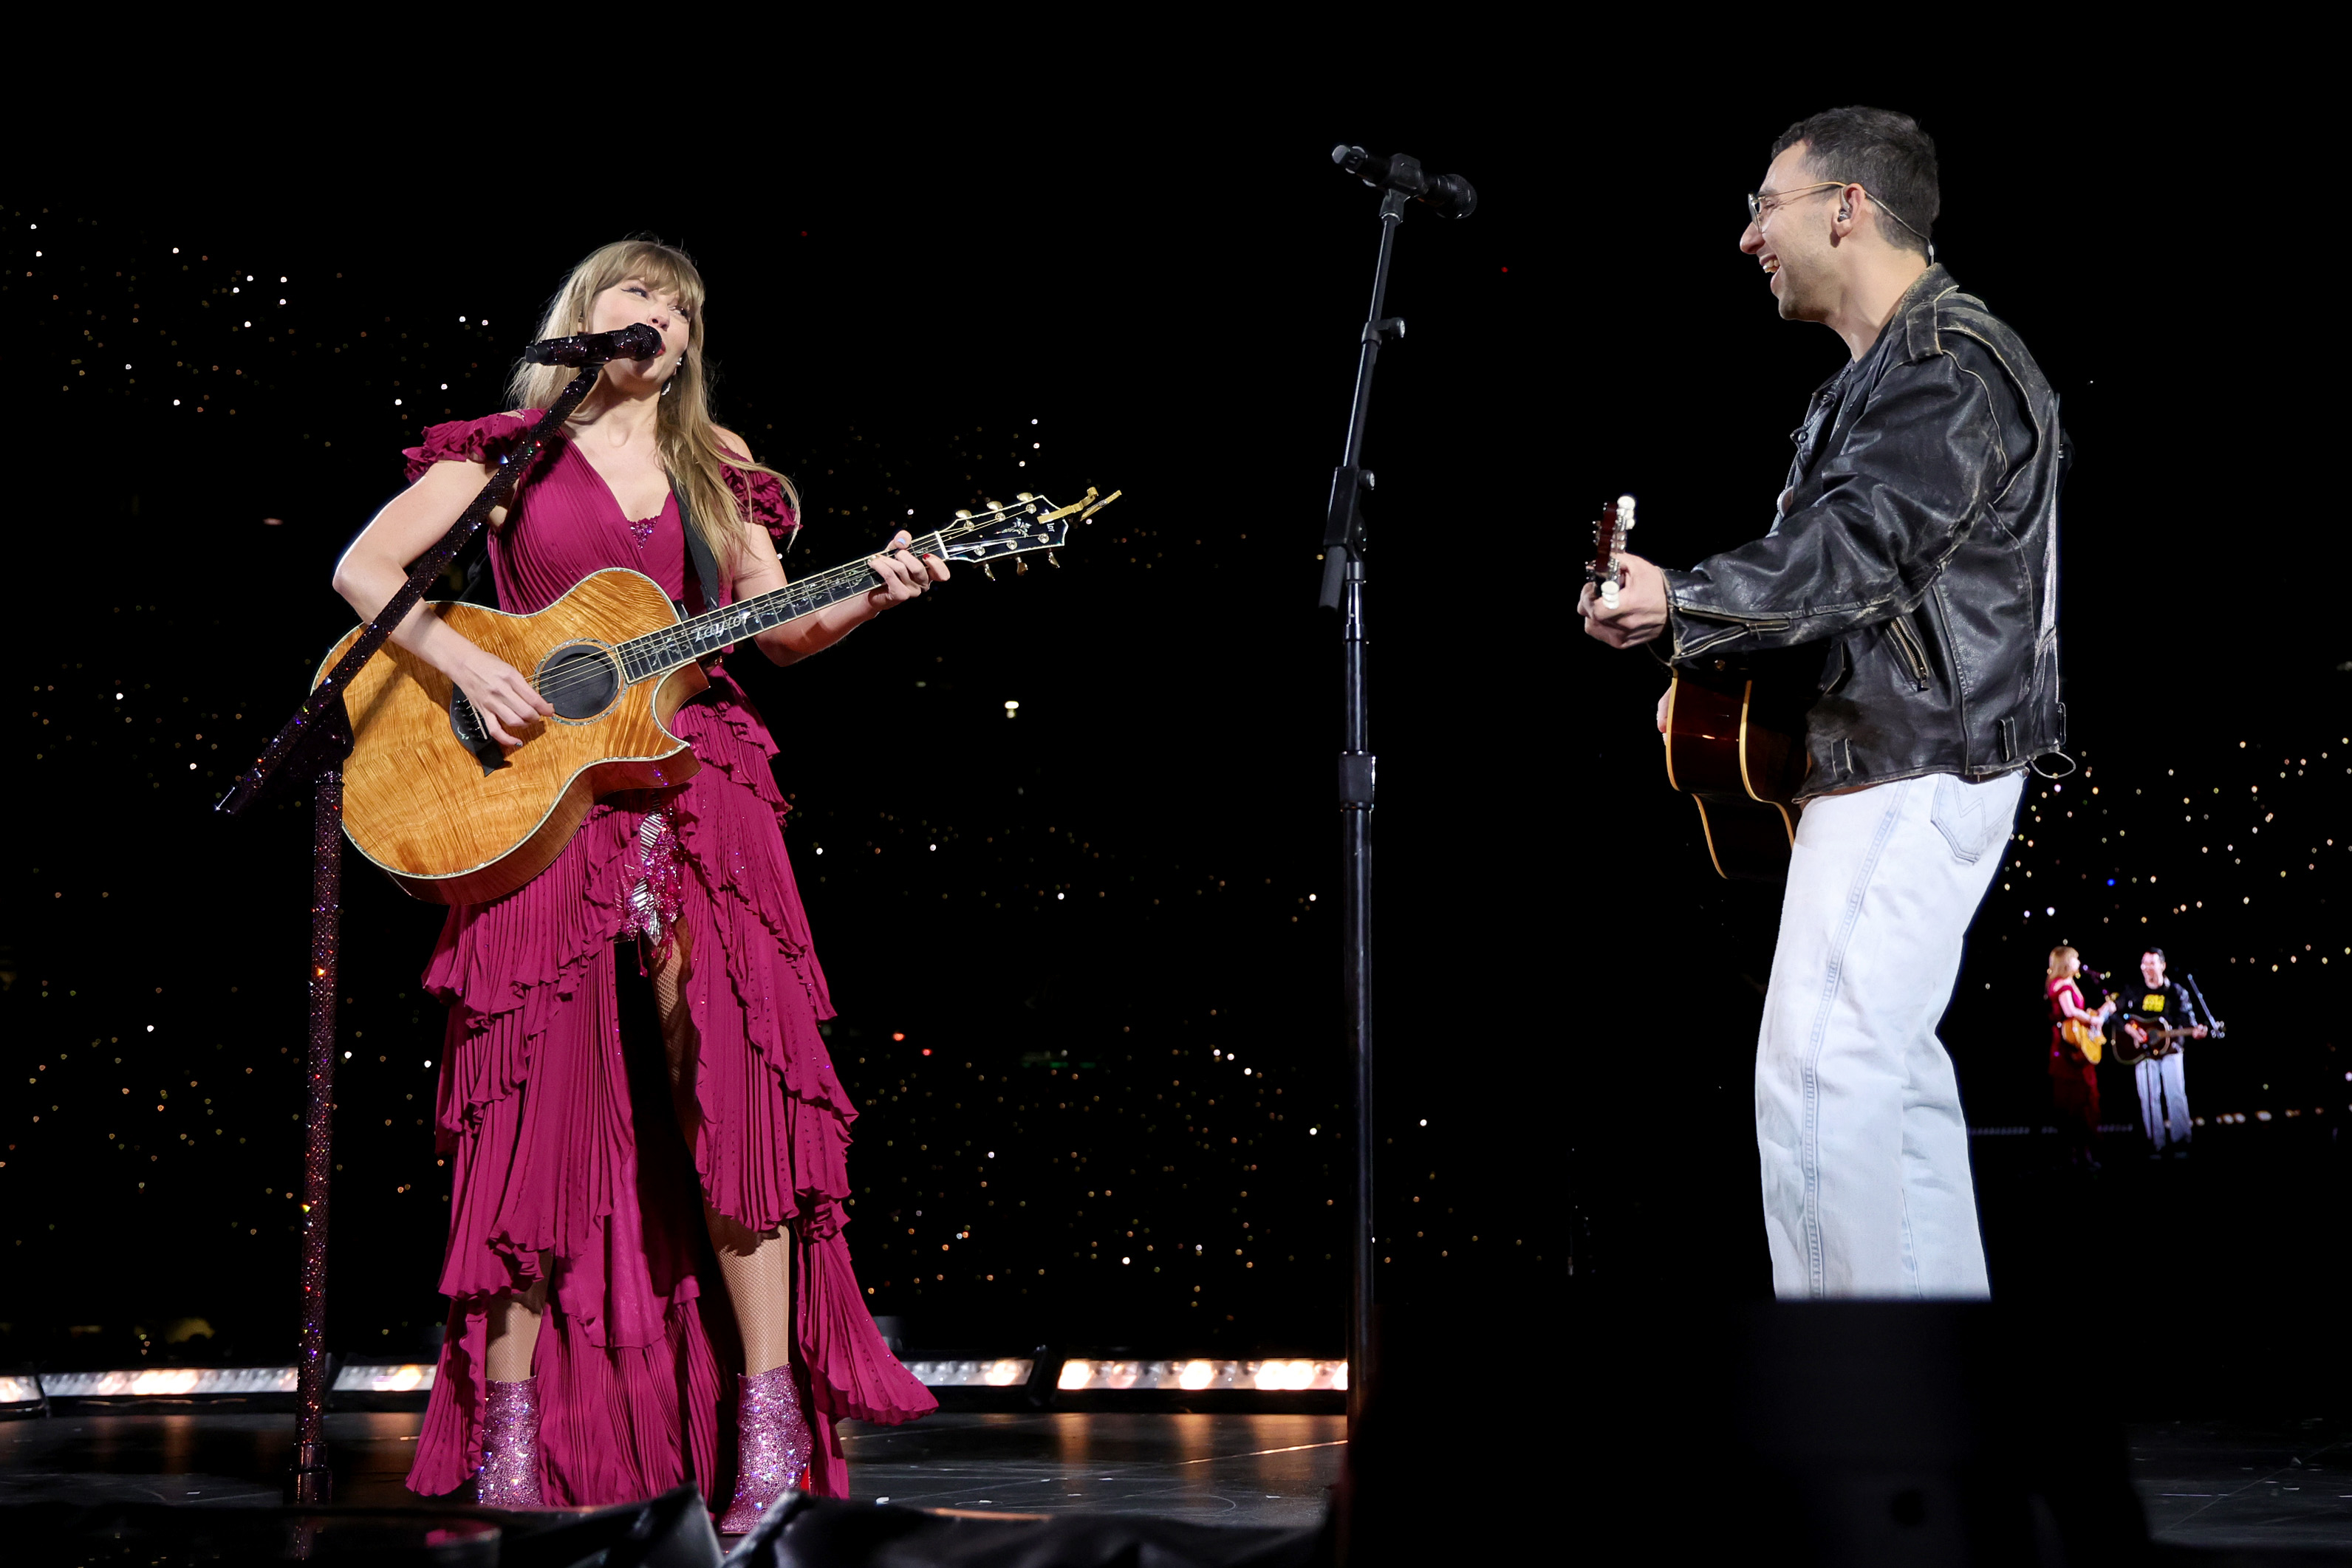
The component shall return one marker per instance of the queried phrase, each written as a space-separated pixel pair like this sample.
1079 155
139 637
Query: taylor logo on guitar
1735 734
455 817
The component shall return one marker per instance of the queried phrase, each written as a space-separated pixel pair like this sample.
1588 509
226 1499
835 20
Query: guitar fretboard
673 647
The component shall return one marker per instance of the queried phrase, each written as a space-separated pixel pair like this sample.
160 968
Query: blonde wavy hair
2059 958
688 439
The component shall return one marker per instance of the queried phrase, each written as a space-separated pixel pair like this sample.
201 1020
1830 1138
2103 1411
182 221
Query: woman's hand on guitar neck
1640 613
904 574
503 698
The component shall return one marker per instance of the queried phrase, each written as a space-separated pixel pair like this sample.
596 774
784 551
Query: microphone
1448 196
638 342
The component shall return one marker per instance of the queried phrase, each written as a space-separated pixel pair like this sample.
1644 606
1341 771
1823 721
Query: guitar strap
698 550
470 572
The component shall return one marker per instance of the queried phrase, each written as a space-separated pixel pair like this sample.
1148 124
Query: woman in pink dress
577 1369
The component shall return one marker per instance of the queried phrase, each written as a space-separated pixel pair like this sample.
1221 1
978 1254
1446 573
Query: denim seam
1950 832
1910 1249
1856 891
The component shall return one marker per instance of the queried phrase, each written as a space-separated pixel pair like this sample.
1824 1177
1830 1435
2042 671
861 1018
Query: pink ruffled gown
534 1110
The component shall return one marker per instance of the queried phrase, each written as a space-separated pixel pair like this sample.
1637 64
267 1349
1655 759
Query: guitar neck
675 647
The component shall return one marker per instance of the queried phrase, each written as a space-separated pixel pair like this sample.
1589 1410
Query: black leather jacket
1918 539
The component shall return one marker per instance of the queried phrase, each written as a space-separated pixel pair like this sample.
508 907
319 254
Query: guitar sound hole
580 681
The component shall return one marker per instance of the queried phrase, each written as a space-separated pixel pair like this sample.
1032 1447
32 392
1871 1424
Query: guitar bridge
466 726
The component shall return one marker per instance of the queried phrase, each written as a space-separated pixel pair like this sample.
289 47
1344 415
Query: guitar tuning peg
1020 569
1023 496
1051 560
988 570
963 514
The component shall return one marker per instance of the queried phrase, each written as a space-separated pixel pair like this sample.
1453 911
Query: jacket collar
1916 312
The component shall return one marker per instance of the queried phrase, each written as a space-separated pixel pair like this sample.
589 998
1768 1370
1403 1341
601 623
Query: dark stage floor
2212 1484
1221 1469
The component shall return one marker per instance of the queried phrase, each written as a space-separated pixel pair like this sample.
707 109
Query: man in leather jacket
1916 543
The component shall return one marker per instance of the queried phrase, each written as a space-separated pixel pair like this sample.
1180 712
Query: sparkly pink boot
509 1475
772 1447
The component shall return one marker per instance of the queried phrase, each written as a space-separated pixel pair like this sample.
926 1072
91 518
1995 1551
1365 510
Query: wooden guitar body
1737 748
454 822
2088 1039
1735 733
453 818
2157 1043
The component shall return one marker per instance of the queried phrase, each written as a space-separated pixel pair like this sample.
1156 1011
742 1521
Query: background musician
1914 546
2159 1003
2073 1076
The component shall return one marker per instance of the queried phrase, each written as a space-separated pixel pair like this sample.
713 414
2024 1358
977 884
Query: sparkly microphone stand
312 746
1402 180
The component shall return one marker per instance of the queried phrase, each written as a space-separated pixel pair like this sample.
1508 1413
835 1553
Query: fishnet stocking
514 1330
754 1266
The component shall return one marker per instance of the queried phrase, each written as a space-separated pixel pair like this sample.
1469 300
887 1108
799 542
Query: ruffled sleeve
760 497
471 441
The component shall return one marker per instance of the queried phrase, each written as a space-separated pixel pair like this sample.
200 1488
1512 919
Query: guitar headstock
1609 533
1022 526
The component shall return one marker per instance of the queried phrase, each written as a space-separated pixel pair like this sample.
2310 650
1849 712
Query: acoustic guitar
2161 1040
1734 734
453 817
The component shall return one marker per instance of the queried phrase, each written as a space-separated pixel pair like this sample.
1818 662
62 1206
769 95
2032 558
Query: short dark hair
2158 951
1886 154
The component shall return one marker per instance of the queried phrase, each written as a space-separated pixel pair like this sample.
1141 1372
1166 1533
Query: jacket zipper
1911 654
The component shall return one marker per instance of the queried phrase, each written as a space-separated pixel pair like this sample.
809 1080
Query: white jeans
1865 1155
2163 1100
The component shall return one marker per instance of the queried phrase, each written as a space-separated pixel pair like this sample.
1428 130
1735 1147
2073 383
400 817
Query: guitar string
729 620
820 590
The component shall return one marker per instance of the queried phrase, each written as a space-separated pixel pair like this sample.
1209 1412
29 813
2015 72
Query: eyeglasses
1760 206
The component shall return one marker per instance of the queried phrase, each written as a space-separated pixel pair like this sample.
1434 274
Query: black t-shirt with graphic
2166 1006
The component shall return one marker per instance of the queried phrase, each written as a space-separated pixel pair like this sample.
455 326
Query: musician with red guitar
1912 564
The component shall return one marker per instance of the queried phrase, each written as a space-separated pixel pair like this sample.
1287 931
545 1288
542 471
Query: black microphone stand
1343 590
313 745
2189 984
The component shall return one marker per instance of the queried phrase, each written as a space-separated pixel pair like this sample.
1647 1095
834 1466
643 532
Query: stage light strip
168 1380
1006 1371
1277 1375
408 1377
1192 1376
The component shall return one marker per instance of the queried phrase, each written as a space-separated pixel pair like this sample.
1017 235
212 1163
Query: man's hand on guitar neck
1640 613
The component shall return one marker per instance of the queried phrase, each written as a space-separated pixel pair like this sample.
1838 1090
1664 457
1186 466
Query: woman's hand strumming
502 694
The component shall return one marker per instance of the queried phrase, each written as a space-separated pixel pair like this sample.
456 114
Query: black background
1169 284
